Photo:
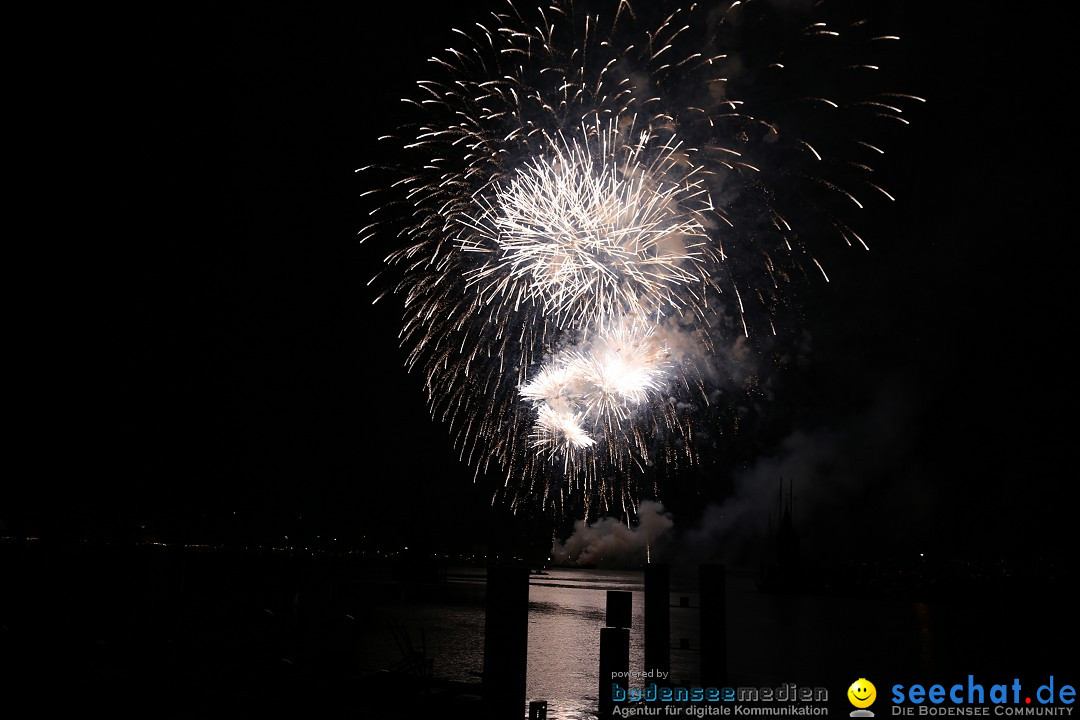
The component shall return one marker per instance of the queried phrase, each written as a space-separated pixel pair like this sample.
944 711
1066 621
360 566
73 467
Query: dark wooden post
658 621
713 625
506 642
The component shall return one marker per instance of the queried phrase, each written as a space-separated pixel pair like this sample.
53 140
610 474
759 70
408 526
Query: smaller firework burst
587 395
605 223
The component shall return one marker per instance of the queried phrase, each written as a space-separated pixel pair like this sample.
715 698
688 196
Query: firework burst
593 229
595 392
589 199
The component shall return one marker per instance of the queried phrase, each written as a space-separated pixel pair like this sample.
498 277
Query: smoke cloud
852 481
609 542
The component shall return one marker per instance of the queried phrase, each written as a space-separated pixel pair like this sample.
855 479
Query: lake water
253 632
772 638
811 640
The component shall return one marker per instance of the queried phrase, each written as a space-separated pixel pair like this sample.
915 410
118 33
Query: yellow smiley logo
862 693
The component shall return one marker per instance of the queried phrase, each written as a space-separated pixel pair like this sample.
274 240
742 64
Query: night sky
203 360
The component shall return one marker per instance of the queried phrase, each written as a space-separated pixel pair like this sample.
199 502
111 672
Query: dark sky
200 338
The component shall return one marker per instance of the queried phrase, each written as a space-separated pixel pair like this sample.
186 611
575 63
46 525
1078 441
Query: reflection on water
811 640
567 608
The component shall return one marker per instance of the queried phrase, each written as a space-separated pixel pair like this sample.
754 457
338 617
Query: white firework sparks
593 229
587 204
590 392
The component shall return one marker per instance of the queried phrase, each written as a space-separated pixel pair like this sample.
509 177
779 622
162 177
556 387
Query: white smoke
609 542
851 481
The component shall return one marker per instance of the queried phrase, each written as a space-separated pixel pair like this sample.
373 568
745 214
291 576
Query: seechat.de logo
973 698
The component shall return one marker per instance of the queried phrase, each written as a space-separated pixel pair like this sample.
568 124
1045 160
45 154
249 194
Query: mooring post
658 622
615 651
713 586
506 642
